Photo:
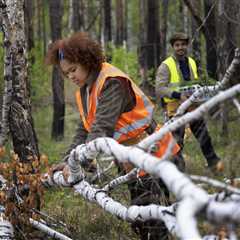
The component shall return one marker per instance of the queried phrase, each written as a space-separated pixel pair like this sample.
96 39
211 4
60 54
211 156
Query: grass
85 220
88 221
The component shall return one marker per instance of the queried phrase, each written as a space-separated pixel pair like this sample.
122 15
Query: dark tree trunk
55 9
142 51
74 16
209 31
82 14
92 14
210 36
28 18
23 134
39 19
149 51
119 23
125 22
153 35
226 43
164 28
184 21
44 34
196 45
106 23
107 20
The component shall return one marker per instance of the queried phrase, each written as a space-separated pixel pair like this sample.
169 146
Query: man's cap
178 36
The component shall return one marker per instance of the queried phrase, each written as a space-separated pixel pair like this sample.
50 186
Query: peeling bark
17 107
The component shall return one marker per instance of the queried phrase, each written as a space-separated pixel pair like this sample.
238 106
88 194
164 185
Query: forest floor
86 220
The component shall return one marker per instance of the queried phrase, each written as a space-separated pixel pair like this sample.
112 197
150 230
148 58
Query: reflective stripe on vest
175 80
129 124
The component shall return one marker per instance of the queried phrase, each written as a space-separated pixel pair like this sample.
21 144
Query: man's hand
183 98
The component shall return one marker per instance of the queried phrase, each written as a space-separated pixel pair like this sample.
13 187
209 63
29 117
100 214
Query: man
181 70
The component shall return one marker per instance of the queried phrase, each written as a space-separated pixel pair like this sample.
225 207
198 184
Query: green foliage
126 61
43 120
40 76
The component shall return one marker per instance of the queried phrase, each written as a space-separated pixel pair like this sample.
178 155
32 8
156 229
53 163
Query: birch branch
101 172
215 183
174 124
212 90
6 228
121 180
193 199
237 104
166 170
50 232
131 214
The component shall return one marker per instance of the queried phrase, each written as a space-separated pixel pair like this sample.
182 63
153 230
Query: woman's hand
60 167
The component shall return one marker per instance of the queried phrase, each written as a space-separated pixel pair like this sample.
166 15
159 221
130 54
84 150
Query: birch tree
16 112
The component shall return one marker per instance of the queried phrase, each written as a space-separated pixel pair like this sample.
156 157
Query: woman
110 105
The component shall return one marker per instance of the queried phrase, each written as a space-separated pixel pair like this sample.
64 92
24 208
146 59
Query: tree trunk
210 36
92 13
226 43
82 14
39 19
44 31
57 80
149 55
125 23
28 17
196 45
209 31
184 26
119 23
106 25
18 111
164 18
74 15
142 51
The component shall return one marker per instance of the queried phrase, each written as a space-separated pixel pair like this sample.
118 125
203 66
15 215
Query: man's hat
178 36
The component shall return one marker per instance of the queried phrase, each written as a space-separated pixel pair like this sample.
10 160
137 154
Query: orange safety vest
130 124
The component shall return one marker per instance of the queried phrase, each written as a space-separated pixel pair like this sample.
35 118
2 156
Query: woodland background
135 36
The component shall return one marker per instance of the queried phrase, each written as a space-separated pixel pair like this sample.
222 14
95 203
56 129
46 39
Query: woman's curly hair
78 48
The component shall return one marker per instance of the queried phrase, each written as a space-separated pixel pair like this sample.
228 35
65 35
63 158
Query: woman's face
75 72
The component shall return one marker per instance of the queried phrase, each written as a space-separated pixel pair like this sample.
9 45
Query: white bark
237 104
212 90
132 213
50 232
7 95
120 180
190 116
215 183
6 228
193 199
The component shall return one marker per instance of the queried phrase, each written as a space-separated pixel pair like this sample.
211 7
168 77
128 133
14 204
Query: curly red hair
79 48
